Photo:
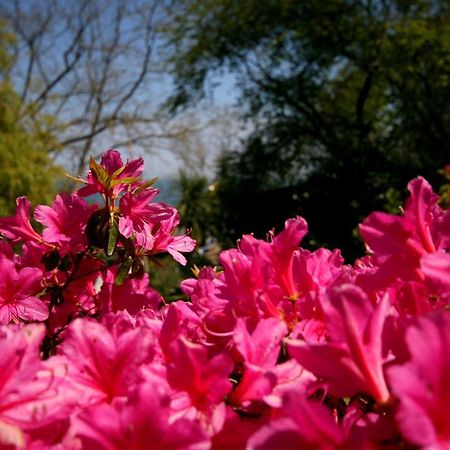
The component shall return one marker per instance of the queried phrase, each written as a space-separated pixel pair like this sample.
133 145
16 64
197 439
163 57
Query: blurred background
248 111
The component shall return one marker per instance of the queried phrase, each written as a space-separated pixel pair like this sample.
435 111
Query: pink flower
206 380
370 430
119 173
421 384
300 424
31 406
65 221
104 364
277 279
199 375
139 217
258 275
398 242
133 295
18 293
205 293
18 366
237 430
144 422
353 360
178 245
244 283
174 245
249 281
436 268
261 347
18 228
311 274
179 321
282 250
260 351
415 230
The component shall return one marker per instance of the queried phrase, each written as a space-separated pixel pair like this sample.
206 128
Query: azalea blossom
421 386
18 293
18 228
112 167
65 221
142 423
352 360
140 218
278 347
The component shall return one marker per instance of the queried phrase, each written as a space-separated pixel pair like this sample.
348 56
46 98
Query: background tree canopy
25 167
348 100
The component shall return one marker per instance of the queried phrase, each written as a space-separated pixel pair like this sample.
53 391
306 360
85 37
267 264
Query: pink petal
436 267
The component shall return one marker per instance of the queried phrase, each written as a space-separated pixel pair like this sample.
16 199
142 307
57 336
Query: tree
90 72
25 167
349 100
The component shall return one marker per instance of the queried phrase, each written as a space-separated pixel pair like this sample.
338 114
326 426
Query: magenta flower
179 320
398 242
283 348
174 245
140 218
237 430
31 404
178 245
104 364
312 274
258 275
282 250
277 279
65 221
18 293
436 268
204 379
120 175
352 361
259 350
260 347
421 384
18 228
249 281
18 366
300 424
209 303
144 422
415 231
133 295
243 283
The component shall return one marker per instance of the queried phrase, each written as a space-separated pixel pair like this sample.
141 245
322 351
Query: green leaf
98 171
113 235
118 172
127 180
76 179
146 185
124 268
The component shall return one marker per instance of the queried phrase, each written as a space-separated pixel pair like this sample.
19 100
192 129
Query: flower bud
97 228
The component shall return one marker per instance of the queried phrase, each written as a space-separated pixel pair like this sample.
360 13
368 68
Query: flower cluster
280 348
